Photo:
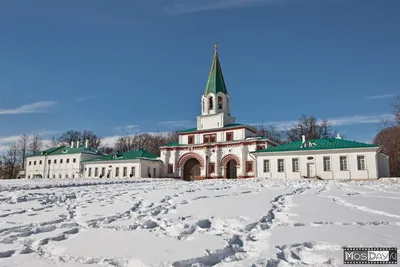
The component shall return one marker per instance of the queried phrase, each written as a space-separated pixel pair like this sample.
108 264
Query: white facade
217 147
58 165
356 163
135 168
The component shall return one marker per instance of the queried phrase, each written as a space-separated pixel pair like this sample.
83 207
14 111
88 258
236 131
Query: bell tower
215 102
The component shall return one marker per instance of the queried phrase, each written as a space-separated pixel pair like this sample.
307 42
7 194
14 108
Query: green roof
226 126
130 155
63 150
215 82
317 144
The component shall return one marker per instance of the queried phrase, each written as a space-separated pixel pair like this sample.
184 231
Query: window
66 176
260 147
211 167
59 176
103 172
210 103
295 165
191 139
281 165
206 138
116 171
213 138
49 162
73 160
90 172
40 162
67 160
125 171
327 164
249 166
96 172
154 172
148 171
30 163
61 161
266 165
170 168
361 163
55 161
343 163
133 172
73 175
229 136
219 102
34 163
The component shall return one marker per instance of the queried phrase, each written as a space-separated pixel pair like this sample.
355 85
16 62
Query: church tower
215 102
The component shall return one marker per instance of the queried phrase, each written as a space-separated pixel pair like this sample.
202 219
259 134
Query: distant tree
271 133
35 144
395 122
23 148
73 136
389 140
311 128
10 163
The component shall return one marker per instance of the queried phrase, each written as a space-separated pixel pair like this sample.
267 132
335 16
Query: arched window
210 103
219 102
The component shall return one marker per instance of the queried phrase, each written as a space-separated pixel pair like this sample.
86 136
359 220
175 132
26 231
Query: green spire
215 82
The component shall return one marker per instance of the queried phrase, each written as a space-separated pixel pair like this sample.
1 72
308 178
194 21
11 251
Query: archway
191 169
231 169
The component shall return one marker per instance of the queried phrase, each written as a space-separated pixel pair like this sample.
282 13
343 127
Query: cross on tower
216 47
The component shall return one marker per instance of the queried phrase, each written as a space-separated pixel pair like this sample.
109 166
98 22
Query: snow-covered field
162 222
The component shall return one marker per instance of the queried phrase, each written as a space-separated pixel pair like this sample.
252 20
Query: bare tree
73 135
23 147
10 163
311 128
395 122
36 144
271 133
389 140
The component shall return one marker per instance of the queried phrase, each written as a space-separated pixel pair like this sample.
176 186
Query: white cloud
182 123
338 121
36 107
191 6
379 96
127 127
86 98
7 141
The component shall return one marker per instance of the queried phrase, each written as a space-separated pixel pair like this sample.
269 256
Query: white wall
141 167
334 173
383 165
38 165
215 155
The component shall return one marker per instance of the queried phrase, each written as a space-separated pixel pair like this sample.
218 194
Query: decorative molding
229 157
189 155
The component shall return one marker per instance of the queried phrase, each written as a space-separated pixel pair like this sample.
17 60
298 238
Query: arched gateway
191 164
230 163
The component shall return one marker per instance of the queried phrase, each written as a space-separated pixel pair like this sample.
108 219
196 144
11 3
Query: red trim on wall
229 157
216 145
220 130
188 156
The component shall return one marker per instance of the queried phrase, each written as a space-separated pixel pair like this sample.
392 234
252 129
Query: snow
166 222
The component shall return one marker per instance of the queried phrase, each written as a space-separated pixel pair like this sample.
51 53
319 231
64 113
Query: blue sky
118 67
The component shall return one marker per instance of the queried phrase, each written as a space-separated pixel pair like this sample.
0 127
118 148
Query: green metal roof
317 144
215 82
130 155
226 126
64 150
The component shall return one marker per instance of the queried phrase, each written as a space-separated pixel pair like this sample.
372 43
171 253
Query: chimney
72 144
338 136
86 143
303 139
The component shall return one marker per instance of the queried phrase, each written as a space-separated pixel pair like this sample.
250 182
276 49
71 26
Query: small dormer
305 143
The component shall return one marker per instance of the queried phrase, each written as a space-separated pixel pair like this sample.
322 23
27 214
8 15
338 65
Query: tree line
389 139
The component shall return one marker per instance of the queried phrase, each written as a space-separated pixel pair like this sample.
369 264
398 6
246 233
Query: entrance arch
230 163
191 165
191 170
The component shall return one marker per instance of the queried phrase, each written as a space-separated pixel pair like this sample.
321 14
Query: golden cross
216 47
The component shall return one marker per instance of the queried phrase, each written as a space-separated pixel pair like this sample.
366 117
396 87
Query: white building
332 158
218 147
59 162
131 164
